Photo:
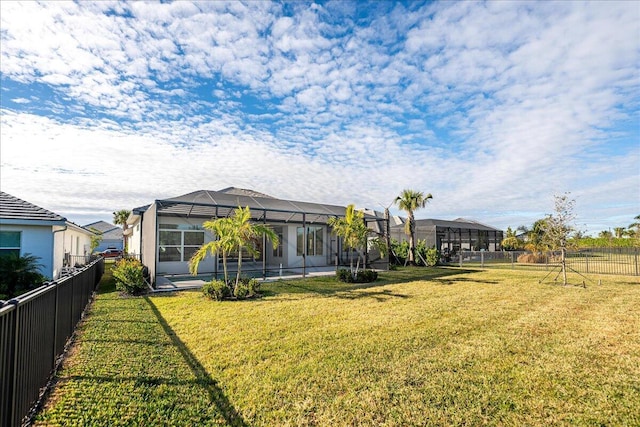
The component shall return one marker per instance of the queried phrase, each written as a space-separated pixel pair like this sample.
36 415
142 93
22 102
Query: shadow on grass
216 395
330 286
451 281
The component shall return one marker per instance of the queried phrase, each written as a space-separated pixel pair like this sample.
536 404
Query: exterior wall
148 249
296 261
182 267
108 244
134 240
289 258
36 240
69 247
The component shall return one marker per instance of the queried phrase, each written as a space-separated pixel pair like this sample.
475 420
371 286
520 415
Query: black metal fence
621 261
34 329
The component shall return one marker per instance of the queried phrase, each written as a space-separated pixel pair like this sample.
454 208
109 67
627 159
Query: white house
166 233
29 229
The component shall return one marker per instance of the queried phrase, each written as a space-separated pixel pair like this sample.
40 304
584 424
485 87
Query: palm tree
223 245
409 201
120 218
247 234
354 233
619 232
511 242
19 274
633 230
232 234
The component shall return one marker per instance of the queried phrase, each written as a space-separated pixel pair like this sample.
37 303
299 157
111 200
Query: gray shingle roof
101 226
13 208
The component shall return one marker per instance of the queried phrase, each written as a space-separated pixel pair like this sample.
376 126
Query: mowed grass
419 347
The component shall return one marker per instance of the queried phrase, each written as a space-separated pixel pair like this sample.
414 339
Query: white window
315 241
177 244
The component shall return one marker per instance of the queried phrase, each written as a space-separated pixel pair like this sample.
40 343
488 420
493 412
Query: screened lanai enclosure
449 237
168 232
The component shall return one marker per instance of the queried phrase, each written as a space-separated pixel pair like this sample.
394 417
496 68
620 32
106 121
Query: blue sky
492 107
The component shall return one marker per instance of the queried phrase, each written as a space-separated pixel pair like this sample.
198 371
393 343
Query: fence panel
34 328
621 261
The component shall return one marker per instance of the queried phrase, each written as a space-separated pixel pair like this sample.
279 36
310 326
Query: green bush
128 273
433 256
216 290
364 276
219 290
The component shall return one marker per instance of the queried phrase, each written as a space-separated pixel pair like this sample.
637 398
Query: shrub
533 258
128 273
433 256
344 275
364 276
216 290
367 276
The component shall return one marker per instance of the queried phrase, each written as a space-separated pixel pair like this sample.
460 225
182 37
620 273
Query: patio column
264 248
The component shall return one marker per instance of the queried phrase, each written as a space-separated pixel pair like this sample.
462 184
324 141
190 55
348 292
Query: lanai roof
456 223
205 203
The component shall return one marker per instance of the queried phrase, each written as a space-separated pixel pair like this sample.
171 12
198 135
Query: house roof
101 226
109 231
14 208
208 204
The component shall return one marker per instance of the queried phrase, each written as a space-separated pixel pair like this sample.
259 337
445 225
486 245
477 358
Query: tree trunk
564 266
412 243
239 265
224 267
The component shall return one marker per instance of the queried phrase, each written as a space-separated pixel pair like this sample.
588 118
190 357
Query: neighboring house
27 228
112 236
451 236
166 233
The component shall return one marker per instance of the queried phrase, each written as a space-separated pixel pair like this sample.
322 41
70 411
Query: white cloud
489 106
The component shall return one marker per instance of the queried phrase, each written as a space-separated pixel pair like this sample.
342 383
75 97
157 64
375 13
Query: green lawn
419 347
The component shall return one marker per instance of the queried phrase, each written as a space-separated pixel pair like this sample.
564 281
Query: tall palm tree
120 218
232 234
354 233
409 201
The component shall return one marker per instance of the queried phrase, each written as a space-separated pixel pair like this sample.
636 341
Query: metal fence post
460 255
635 252
14 368
481 259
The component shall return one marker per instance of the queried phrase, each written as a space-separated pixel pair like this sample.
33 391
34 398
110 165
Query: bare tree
559 228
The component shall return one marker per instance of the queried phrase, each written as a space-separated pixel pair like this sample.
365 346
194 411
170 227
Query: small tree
558 229
409 201
353 232
236 233
511 242
96 238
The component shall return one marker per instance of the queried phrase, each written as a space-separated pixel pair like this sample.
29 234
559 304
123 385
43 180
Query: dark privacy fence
34 329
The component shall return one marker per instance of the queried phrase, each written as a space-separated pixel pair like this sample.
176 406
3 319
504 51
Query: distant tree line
535 240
